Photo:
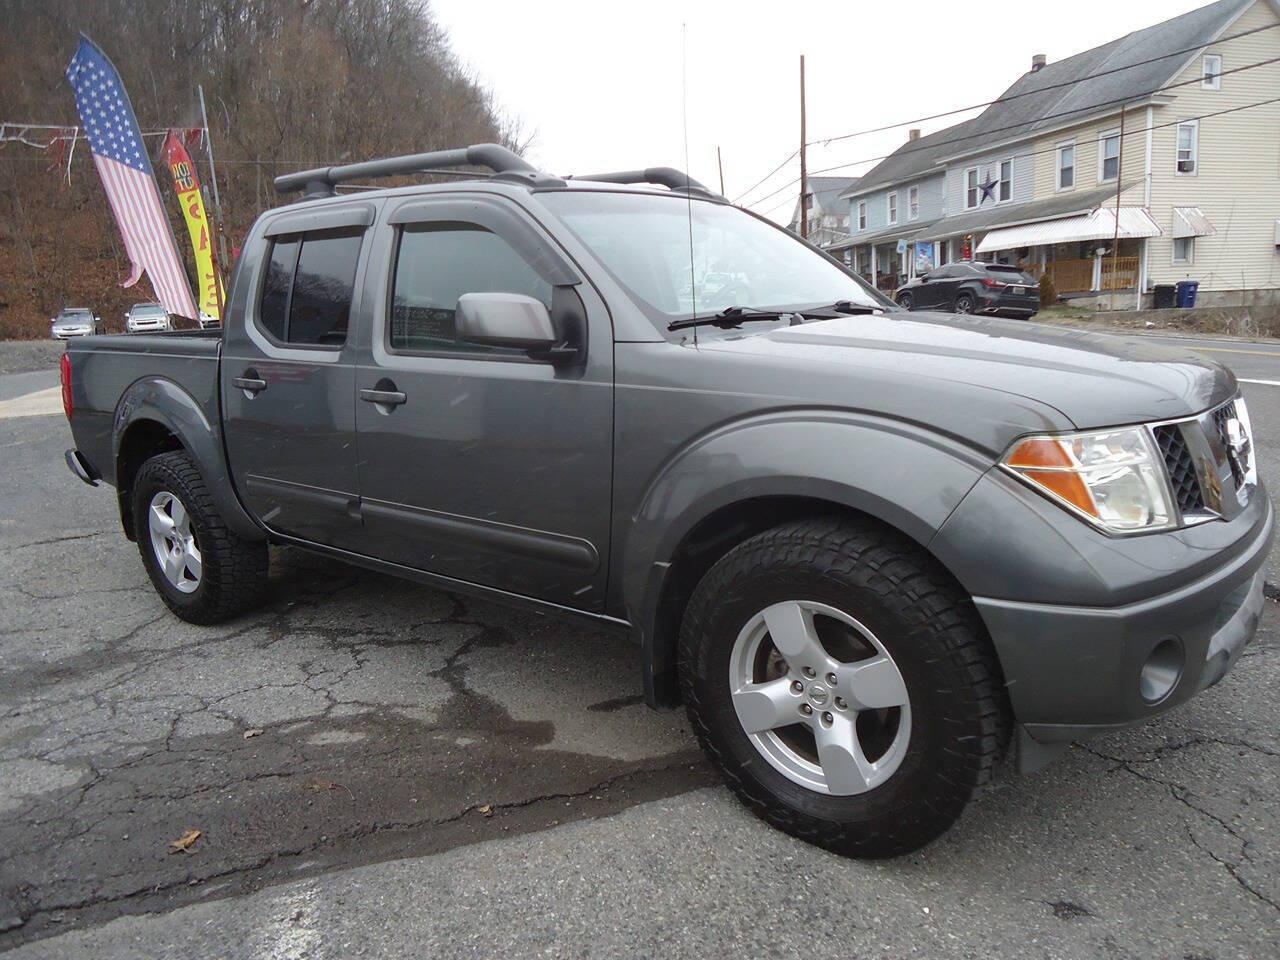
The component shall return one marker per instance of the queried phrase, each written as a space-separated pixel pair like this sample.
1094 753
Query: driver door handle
392 398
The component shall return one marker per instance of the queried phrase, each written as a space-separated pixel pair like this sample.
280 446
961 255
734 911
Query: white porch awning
1135 222
1191 222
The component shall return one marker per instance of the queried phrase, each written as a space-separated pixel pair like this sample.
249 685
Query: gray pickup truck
871 550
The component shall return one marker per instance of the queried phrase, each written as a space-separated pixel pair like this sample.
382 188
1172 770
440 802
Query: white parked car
74 322
146 318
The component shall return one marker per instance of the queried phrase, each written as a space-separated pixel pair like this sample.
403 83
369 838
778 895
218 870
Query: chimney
1038 61
913 135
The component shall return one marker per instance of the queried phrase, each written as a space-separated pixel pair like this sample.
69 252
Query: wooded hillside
288 84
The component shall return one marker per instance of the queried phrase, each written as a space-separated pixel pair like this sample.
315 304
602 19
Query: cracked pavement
484 781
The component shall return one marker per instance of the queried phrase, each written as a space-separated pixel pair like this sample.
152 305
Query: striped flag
122 162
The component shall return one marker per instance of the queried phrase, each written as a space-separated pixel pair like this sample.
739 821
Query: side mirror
510 320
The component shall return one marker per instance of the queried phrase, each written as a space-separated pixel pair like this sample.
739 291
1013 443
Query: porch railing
1076 276
1124 276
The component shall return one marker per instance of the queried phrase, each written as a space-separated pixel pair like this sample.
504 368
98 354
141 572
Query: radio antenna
688 197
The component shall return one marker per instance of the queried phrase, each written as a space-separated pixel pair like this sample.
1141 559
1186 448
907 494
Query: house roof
1065 90
825 190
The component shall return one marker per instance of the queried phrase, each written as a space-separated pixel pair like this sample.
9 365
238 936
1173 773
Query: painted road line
1265 383
1253 353
39 404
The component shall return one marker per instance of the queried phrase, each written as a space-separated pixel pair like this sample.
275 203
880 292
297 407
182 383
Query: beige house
1178 123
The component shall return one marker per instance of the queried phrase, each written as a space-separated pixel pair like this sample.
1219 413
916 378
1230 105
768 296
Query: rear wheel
904 301
843 685
964 303
202 571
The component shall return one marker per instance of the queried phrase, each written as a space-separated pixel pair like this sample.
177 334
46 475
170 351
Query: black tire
234 570
959 712
965 303
904 301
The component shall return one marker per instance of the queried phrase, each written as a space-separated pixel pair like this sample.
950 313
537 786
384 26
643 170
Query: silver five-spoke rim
174 541
820 698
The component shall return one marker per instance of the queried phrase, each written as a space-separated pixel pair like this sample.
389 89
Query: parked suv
869 549
147 318
971 286
74 322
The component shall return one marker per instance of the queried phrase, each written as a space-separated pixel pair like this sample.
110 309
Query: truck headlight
1115 479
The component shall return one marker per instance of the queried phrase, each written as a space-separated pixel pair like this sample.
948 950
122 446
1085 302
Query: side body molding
904 474
163 401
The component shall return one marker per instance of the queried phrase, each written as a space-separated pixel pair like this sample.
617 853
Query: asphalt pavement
379 769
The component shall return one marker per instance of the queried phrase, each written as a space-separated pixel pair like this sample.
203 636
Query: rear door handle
250 385
391 398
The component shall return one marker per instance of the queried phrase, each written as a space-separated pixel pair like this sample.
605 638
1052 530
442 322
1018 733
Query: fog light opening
1161 671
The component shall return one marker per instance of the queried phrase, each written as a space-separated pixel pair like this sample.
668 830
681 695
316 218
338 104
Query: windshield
145 311
737 260
74 313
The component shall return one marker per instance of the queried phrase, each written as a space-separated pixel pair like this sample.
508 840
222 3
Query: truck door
288 374
489 467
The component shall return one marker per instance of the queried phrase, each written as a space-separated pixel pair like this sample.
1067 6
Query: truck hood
1092 379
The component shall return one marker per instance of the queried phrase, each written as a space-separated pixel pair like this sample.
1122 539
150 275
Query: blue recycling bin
1186 294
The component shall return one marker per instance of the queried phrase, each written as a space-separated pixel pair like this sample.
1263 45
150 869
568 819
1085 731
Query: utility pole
804 173
1115 241
720 164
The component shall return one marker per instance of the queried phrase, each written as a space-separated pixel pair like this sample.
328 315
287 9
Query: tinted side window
322 288
439 262
274 310
306 297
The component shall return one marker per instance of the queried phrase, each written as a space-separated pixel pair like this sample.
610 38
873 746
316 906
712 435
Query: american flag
122 162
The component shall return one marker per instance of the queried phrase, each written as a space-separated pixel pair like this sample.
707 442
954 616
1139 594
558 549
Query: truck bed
104 368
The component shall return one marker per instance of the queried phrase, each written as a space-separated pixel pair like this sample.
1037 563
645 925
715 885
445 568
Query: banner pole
221 245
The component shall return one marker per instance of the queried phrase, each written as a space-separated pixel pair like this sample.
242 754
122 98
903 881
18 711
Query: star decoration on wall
988 189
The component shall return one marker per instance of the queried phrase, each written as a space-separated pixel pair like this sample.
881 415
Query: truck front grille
1220 418
1182 469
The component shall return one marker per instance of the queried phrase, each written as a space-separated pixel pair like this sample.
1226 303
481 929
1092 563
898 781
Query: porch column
1142 276
875 269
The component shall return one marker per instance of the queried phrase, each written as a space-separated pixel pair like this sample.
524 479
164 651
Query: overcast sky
601 88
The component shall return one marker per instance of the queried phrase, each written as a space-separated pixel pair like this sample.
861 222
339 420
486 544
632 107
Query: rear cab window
307 292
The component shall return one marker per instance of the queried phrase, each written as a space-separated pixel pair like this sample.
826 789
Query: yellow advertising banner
188 188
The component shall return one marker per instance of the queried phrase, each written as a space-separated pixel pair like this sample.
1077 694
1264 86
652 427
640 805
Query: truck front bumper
1078 671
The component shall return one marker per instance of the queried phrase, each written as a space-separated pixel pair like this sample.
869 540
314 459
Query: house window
1109 156
893 208
913 203
862 214
1211 75
971 188
1188 146
1006 180
1066 166
1184 249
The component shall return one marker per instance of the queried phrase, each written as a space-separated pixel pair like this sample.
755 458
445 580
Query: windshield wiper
730 317
851 308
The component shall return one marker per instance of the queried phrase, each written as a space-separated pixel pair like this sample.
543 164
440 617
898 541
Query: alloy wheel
820 697
173 539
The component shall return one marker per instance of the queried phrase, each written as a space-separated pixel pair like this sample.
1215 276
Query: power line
904 150
1052 86
989 103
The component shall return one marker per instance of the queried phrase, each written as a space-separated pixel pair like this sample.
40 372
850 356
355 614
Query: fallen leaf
487 810
255 732
184 842
319 783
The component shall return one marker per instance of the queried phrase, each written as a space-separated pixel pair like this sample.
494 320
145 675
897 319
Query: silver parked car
74 322
146 318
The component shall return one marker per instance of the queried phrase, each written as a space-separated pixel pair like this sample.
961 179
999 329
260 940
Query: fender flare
163 401
906 475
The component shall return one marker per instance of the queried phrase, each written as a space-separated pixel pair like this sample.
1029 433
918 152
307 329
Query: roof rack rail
321 181
668 177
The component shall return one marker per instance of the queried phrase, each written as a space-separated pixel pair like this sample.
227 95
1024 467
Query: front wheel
202 571
904 301
843 685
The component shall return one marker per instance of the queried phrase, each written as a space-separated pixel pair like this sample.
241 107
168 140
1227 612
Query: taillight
64 368
988 282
